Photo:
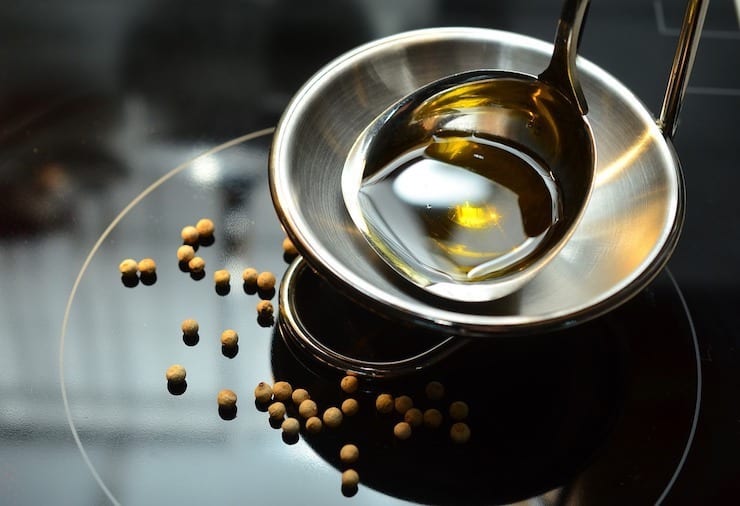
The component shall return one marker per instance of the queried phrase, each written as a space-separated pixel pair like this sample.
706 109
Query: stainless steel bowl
625 237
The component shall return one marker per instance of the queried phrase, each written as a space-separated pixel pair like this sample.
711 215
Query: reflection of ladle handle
561 72
683 61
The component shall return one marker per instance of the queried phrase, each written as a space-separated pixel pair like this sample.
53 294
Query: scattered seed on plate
128 267
414 417
308 408
289 248
175 373
282 391
460 432
265 309
291 426
432 418
458 411
384 403
276 410
221 277
350 407
349 384
249 276
226 398
263 392
350 478
402 430
147 266
349 454
314 425
299 395
403 403
189 235
189 327
266 281
229 338
434 390
196 264
185 253
333 417
205 228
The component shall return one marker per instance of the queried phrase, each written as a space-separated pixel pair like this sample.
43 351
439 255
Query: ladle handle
683 61
561 72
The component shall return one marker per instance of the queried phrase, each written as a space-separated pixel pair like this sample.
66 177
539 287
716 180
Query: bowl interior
626 233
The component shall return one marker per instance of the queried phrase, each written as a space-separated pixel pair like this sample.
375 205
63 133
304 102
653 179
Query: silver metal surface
541 115
683 62
627 233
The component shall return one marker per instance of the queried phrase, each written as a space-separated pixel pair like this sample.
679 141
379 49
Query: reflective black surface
601 413
99 99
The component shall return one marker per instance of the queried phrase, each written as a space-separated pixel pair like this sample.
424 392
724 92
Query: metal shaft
683 61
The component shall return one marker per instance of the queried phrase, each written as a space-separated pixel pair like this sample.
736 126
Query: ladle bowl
626 234
498 147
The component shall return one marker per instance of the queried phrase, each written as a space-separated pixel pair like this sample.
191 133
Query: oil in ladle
462 206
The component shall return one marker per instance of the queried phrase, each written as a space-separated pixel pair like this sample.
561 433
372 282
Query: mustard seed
402 430
229 338
289 248
384 403
460 432
432 418
458 411
403 403
265 309
314 425
147 266
282 391
128 267
175 373
263 392
189 235
350 478
189 327
333 417
249 276
299 395
196 265
434 390
291 427
226 398
350 407
349 454
205 227
266 281
221 277
185 253
414 417
276 410
349 384
308 408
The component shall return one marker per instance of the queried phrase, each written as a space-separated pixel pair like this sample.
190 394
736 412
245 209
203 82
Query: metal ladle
531 117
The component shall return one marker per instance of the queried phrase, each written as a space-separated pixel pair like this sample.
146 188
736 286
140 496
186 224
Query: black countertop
100 99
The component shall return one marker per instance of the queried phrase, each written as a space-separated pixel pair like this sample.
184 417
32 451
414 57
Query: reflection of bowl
626 235
601 410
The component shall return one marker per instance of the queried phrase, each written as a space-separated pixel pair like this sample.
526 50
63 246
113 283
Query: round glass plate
604 413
